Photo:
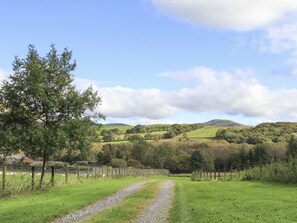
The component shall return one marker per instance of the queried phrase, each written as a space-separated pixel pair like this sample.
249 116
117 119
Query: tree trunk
43 170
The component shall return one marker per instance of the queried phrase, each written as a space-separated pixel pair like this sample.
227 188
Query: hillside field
207 132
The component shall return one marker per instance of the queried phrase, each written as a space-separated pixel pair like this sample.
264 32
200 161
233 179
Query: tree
8 132
292 148
201 161
51 112
261 154
162 155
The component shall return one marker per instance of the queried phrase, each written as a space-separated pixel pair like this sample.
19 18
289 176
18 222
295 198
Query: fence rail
27 176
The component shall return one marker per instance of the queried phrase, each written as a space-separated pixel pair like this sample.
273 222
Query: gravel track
83 214
159 210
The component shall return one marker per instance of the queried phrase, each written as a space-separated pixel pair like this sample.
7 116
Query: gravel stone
85 213
158 212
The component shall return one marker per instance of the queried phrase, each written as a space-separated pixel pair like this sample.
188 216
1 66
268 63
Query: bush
118 163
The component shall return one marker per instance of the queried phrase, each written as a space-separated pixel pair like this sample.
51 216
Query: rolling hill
221 122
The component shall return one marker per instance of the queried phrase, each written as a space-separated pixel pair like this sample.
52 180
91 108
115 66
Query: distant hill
116 124
222 122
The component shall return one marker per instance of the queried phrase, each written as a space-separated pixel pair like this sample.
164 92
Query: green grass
123 129
233 201
46 206
207 132
131 208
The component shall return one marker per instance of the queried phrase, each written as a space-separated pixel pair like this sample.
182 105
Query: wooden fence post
33 177
4 169
261 167
66 173
77 171
88 172
53 176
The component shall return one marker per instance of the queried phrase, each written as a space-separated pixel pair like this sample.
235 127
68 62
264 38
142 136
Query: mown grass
131 208
57 202
233 201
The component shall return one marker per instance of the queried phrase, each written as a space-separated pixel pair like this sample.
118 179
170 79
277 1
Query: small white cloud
240 15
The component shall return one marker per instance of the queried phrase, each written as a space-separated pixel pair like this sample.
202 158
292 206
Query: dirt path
159 210
81 215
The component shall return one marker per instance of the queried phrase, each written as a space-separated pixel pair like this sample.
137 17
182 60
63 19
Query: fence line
225 174
79 171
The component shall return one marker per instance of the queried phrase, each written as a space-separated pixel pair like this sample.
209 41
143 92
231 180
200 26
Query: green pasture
207 132
122 128
59 201
203 201
233 201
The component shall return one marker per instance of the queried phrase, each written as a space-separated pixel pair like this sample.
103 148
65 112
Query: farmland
207 132
208 201
233 201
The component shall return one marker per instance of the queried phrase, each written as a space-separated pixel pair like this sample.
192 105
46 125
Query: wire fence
16 179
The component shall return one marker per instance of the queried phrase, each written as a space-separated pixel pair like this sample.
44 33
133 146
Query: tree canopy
40 98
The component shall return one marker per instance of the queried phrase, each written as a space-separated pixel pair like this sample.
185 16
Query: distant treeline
262 133
186 156
146 131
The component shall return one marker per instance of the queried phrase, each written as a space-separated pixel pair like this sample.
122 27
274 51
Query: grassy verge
233 201
46 206
128 210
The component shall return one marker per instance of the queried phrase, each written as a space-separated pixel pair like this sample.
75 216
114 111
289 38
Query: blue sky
168 61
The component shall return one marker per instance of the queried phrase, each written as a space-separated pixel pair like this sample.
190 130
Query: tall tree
52 113
292 148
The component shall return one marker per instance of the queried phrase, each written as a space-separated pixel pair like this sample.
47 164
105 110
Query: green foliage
292 148
201 161
180 129
282 172
118 163
262 133
50 112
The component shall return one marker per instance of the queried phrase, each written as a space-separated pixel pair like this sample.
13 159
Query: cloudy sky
168 61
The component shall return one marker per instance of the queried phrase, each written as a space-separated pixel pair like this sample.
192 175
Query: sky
167 61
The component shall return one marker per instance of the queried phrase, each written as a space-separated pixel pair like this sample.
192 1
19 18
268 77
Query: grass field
46 206
207 132
120 127
233 201
210 201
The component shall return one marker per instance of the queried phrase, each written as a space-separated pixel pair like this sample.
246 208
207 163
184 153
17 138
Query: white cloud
235 15
126 102
282 38
231 93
